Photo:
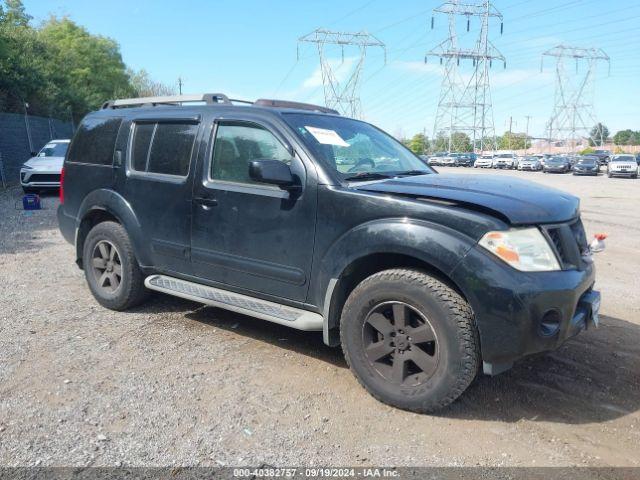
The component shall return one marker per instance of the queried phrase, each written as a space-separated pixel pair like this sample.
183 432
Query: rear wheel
111 269
410 340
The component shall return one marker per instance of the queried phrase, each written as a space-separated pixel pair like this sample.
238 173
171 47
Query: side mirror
273 172
33 154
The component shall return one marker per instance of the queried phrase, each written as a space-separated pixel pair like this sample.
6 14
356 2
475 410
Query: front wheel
410 340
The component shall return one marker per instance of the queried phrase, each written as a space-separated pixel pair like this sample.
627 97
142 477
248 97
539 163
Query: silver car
43 170
530 163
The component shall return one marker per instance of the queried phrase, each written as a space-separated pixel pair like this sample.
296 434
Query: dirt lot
175 383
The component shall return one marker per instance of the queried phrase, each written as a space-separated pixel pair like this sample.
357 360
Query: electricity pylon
573 112
342 95
465 105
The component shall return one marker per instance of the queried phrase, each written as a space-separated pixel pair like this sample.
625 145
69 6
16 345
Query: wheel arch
433 249
106 205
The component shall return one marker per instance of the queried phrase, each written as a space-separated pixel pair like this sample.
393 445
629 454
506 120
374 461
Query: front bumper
35 178
585 172
522 313
623 173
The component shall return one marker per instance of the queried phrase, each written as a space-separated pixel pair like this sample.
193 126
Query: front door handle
206 203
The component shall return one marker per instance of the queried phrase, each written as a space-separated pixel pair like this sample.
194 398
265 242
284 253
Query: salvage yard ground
176 383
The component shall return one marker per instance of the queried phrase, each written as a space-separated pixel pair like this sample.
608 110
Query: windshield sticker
327 137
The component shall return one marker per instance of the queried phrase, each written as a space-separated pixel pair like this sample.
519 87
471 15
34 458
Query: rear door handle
206 203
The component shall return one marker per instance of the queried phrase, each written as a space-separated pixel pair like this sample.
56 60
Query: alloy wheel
107 266
400 343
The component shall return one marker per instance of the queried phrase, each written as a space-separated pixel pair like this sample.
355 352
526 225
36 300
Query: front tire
410 340
111 268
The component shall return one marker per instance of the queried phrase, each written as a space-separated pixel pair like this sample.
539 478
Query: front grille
44 177
570 243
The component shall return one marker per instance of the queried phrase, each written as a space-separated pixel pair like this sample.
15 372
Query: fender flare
440 247
116 205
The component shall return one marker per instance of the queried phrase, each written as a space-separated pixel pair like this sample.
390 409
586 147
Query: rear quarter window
163 148
95 140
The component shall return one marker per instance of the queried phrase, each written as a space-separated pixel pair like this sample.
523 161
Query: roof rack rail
266 102
207 98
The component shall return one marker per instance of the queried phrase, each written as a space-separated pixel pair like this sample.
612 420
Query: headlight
27 167
524 249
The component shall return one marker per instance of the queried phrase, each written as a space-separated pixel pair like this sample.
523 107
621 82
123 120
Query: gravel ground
176 383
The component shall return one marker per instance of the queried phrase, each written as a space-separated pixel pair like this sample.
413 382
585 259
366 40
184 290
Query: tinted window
237 145
163 147
141 141
95 140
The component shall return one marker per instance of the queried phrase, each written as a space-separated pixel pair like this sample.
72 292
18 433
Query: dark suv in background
293 214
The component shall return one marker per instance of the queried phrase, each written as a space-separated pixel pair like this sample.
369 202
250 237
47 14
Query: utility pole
573 106
526 135
465 100
344 95
510 125
27 126
180 85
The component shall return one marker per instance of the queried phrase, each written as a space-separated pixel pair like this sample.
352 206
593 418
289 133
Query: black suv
294 214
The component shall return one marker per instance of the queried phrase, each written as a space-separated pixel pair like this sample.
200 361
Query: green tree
598 135
513 141
144 86
418 144
14 14
92 67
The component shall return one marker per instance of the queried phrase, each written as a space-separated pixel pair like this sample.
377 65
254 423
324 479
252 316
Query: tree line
420 144
60 69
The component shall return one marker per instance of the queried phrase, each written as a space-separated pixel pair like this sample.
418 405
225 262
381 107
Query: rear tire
111 268
423 351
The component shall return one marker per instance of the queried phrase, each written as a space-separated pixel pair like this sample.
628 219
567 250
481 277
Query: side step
254 307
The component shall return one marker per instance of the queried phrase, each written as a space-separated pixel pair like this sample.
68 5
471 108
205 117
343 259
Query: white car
622 166
449 161
483 161
504 160
43 170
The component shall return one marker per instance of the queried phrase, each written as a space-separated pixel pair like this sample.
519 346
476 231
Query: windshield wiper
413 172
369 176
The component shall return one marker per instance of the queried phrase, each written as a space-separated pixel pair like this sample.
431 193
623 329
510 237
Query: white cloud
341 71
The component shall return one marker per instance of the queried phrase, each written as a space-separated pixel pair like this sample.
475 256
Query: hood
45 163
521 202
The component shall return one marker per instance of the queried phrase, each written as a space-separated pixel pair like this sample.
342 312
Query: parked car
622 166
586 165
466 159
42 170
450 160
420 277
557 165
484 161
603 156
504 160
530 163
436 158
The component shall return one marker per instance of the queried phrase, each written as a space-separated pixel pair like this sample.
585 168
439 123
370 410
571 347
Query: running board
254 307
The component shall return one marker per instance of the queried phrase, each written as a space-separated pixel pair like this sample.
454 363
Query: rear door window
95 140
163 148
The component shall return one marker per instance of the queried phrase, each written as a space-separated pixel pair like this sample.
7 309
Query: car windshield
556 160
54 150
587 161
624 158
354 149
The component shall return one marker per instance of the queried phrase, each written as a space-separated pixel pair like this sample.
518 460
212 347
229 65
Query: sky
249 49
